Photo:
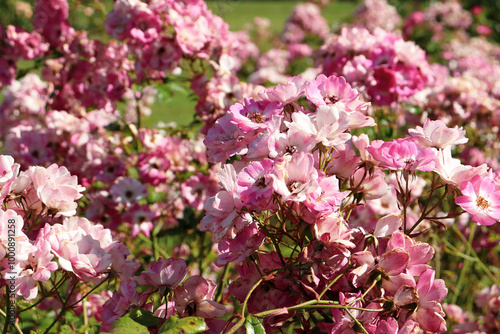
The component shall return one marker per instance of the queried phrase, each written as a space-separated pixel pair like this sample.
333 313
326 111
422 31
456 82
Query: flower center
290 149
482 203
332 99
260 183
257 117
293 186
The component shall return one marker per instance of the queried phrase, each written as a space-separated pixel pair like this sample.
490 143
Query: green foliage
126 325
253 325
190 325
144 317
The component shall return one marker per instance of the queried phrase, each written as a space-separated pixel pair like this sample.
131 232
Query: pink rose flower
164 273
80 247
194 298
57 188
480 199
402 154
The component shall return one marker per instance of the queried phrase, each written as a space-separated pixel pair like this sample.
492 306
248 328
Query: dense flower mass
335 178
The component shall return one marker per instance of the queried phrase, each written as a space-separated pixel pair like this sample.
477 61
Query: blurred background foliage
90 15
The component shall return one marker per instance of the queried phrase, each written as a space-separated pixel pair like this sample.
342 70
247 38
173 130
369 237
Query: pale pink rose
254 184
244 244
480 199
437 134
332 90
343 162
80 247
124 268
164 273
56 188
195 298
287 93
294 179
328 125
452 171
387 225
372 185
402 154
8 169
420 252
8 174
327 198
121 302
128 190
37 268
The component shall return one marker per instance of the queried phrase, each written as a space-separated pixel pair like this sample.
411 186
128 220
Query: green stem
357 322
334 281
315 304
424 213
474 254
236 326
249 294
220 287
88 293
465 268
62 312
85 315
16 325
148 240
55 288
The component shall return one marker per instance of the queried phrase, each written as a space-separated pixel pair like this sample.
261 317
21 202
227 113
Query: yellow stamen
482 203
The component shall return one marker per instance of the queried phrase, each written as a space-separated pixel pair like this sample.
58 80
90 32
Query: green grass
237 13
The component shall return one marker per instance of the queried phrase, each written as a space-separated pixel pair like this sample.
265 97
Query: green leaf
253 325
36 331
144 317
126 325
190 325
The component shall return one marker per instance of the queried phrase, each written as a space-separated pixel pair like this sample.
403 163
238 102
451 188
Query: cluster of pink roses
379 63
288 178
42 203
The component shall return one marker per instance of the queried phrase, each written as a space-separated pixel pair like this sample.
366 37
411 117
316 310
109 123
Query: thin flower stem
92 290
220 287
465 269
148 240
357 322
453 250
242 320
85 315
54 289
474 254
424 213
249 294
334 281
62 312
236 326
315 304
